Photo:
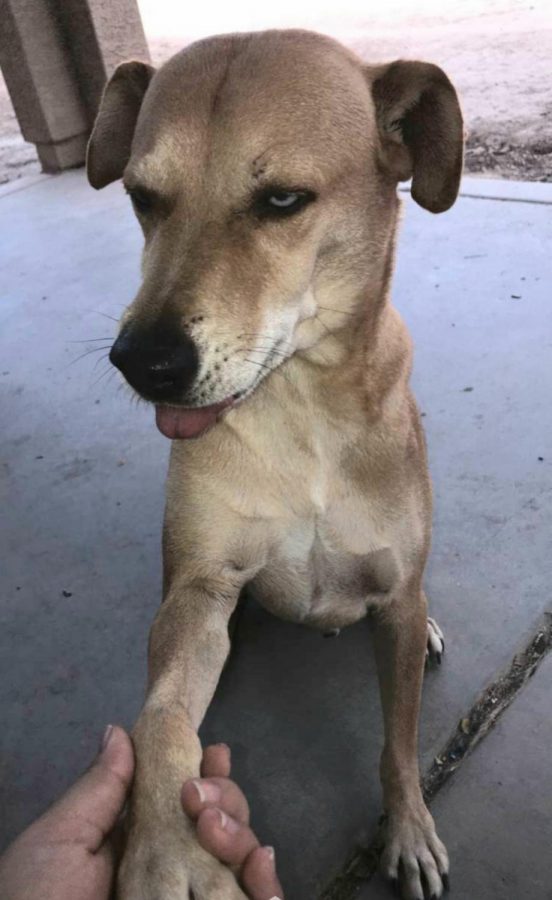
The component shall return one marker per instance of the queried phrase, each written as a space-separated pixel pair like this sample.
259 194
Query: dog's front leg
413 853
188 647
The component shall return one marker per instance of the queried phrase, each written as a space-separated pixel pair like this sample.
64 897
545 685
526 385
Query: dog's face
262 169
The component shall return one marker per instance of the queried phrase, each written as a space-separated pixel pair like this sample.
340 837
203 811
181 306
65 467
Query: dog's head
263 170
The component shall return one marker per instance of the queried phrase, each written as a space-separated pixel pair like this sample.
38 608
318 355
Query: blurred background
497 52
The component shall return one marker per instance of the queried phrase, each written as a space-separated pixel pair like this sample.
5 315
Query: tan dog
263 170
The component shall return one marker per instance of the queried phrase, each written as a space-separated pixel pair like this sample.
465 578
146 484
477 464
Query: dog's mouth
185 422
182 422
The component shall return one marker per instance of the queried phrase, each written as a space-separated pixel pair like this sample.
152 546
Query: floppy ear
111 139
421 129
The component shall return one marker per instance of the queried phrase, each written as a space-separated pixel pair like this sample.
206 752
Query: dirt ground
497 52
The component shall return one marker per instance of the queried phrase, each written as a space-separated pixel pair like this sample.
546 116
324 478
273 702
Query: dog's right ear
111 139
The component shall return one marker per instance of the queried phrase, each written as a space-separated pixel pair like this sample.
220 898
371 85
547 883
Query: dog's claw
446 881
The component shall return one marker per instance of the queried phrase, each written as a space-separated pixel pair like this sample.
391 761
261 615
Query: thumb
89 810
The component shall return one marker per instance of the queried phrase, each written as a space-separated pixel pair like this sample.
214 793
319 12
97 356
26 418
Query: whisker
131 394
324 326
267 350
276 369
88 352
108 371
113 319
99 360
341 312
124 387
92 340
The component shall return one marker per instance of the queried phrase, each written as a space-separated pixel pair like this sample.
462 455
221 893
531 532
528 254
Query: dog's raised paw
435 642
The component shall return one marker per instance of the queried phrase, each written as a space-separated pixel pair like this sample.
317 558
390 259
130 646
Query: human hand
221 813
66 854
68 851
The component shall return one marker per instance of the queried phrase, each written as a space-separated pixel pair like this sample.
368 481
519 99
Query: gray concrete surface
496 813
497 816
82 483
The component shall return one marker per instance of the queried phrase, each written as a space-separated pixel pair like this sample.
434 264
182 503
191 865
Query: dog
263 170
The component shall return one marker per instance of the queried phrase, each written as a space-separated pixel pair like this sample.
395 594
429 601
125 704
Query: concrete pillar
101 34
56 56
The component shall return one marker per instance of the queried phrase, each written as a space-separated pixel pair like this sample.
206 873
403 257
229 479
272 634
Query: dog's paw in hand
206 851
163 868
414 858
220 812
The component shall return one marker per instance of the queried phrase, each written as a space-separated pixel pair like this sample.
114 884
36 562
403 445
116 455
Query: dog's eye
275 203
142 201
284 199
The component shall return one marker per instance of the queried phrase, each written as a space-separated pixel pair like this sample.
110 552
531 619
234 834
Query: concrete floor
496 813
82 492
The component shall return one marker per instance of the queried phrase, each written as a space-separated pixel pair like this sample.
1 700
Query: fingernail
229 825
208 792
270 853
106 737
224 746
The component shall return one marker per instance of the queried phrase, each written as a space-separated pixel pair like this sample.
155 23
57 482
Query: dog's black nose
159 364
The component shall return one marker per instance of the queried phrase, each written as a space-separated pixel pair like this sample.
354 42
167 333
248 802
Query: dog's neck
348 375
347 389
361 346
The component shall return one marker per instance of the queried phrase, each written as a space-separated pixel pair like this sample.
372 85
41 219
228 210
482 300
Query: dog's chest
329 555
313 512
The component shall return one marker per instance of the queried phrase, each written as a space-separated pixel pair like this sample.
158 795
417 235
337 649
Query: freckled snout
160 365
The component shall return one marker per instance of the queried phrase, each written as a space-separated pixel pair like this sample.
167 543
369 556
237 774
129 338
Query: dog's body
309 481
322 512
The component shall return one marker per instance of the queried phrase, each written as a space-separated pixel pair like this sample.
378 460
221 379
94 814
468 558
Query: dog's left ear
421 129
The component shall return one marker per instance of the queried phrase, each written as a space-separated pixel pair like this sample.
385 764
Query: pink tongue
177 422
